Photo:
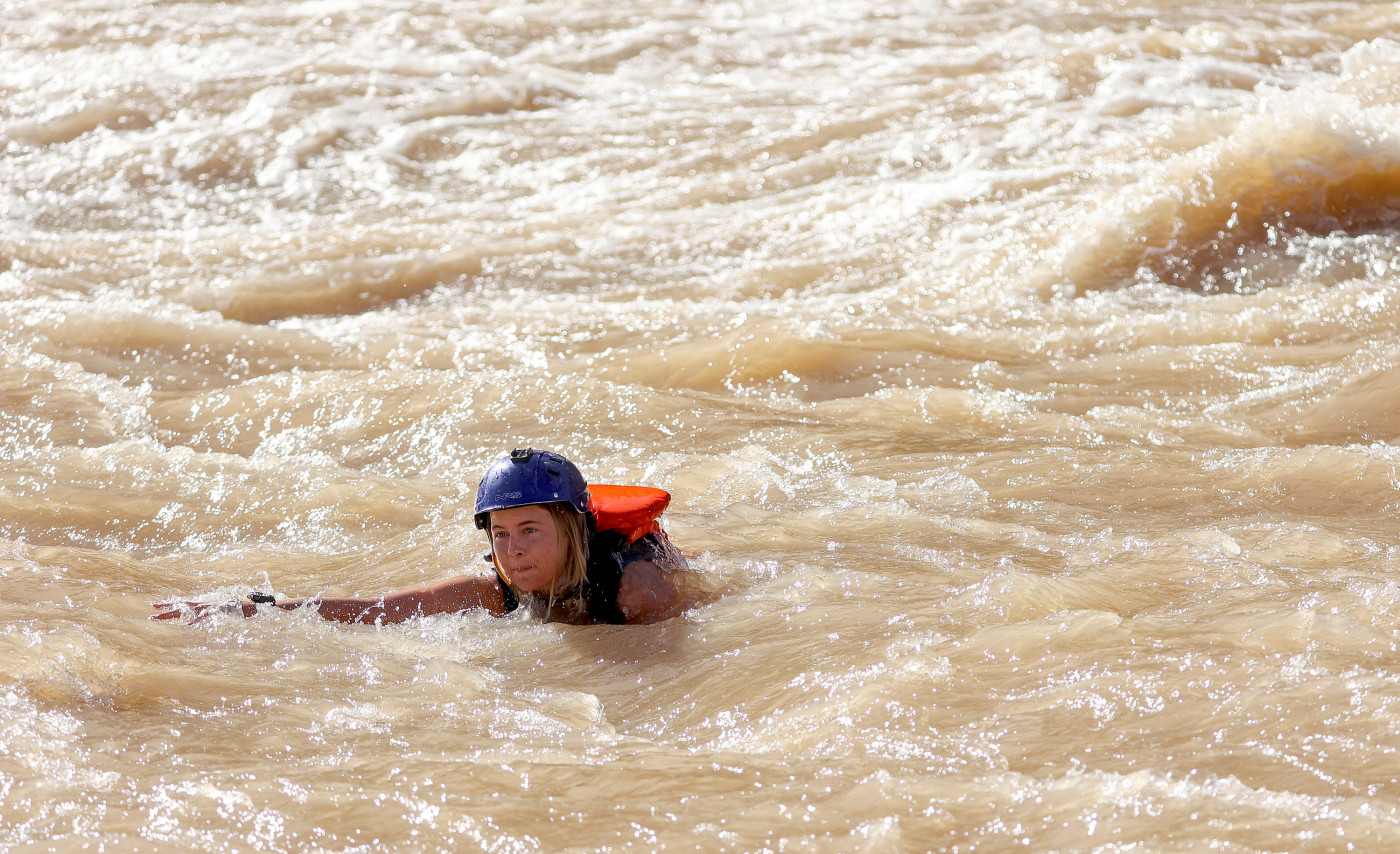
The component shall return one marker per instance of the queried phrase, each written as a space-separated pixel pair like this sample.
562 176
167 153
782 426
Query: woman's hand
194 612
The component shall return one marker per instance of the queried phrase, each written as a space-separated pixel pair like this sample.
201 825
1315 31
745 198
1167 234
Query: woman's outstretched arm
461 593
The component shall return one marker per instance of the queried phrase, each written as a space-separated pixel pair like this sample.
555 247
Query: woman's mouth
521 574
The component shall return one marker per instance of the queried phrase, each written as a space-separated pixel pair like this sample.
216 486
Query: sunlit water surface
1026 374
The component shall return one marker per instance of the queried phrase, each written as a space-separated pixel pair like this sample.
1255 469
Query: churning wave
1296 190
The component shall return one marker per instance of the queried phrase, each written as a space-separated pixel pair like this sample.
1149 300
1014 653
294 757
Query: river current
1025 372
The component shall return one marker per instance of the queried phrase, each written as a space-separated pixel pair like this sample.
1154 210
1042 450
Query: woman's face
526 543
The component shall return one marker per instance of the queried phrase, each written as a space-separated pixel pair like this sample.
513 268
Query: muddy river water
1025 372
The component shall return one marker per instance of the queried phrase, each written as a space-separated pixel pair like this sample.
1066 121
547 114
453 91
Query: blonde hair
572 528
573 542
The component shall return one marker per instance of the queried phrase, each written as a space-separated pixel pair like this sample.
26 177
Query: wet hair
573 544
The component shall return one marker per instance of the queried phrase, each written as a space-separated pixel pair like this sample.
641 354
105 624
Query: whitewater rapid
1024 374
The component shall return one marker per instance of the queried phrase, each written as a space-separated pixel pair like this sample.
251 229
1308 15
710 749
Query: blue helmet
529 477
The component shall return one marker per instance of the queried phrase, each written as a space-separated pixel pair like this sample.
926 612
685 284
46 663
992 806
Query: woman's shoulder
646 592
657 548
461 592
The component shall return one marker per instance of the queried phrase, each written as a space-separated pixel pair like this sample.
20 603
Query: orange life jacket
633 511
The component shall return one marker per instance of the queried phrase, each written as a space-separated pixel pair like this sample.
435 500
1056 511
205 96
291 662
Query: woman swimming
557 550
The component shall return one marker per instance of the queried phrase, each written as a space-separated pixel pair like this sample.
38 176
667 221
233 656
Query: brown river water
1026 374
